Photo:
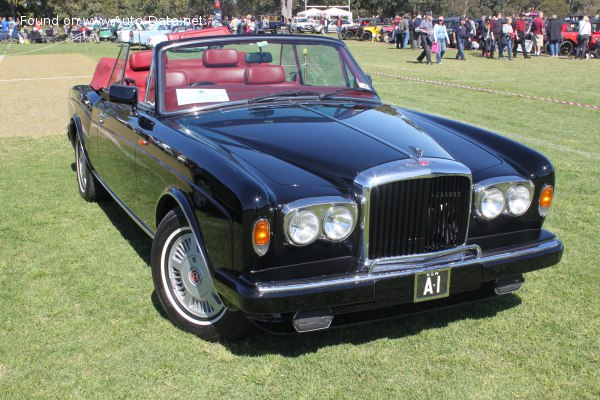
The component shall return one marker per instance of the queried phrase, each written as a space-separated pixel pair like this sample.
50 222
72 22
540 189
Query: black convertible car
279 189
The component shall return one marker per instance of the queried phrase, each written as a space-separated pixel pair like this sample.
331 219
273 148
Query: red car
570 32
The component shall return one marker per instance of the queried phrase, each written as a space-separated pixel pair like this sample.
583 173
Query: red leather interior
176 79
220 58
264 74
102 73
138 68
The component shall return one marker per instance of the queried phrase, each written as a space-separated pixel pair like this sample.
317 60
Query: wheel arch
175 198
74 129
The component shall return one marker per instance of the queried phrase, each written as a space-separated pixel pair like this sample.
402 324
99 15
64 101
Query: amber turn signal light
546 200
261 236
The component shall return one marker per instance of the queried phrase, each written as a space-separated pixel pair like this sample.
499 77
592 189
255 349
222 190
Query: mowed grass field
78 318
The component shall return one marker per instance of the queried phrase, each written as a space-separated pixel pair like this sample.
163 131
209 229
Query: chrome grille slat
416 216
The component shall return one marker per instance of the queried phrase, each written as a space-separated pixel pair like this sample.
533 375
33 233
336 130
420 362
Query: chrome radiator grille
417 216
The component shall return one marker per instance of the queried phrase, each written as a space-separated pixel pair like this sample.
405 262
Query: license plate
432 285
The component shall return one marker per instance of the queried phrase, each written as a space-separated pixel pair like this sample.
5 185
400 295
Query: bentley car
279 189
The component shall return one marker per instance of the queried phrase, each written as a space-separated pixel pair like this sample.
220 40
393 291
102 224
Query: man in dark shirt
460 35
520 29
497 32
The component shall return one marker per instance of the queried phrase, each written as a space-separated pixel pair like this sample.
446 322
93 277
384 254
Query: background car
302 24
331 27
276 23
109 32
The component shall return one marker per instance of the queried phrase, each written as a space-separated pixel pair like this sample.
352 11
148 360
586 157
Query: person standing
585 31
497 33
338 27
487 38
460 35
520 33
397 31
506 40
554 35
440 36
426 33
416 43
405 30
538 29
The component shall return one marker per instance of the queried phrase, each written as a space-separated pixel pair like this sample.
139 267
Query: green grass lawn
78 318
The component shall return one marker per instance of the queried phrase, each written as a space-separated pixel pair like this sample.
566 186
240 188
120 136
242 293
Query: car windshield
214 72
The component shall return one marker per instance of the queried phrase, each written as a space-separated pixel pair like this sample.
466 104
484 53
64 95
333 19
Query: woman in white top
440 36
507 36
585 30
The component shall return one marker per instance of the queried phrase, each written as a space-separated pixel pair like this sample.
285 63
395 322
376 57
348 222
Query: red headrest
220 58
176 79
140 61
264 74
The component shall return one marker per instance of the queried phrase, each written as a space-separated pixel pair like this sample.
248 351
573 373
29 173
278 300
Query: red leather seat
221 66
176 79
138 68
264 75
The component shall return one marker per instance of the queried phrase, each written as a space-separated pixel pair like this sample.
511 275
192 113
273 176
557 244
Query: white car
132 32
302 24
153 40
331 28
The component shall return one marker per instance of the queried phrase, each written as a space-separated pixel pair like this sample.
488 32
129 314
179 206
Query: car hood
321 144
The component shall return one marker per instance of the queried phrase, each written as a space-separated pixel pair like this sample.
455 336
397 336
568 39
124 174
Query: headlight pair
331 218
494 198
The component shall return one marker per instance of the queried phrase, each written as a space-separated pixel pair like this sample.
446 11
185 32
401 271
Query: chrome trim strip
398 171
293 286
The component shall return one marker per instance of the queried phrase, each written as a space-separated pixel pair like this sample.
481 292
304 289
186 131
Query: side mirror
123 94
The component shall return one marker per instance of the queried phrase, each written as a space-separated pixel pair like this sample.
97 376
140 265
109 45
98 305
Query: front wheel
184 284
349 35
366 36
387 37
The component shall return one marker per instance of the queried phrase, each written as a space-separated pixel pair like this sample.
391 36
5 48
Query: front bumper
385 287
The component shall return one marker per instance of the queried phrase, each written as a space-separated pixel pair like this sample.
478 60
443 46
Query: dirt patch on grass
32 106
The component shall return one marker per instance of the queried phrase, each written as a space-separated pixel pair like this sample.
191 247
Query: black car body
295 198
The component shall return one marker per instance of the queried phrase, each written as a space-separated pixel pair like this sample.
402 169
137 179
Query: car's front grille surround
418 216
399 209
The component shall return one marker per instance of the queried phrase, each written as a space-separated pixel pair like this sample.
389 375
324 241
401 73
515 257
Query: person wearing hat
460 35
440 36
426 31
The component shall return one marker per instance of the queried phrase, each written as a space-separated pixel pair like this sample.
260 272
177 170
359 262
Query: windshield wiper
290 93
331 95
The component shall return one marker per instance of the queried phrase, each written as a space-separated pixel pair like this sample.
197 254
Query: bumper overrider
387 286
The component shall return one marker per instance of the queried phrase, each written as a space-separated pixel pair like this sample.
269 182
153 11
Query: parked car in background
132 32
349 31
157 28
331 27
302 24
276 23
279 189
109 32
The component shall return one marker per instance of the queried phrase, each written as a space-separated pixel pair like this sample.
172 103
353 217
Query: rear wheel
349 35
366 36
597 52
184 284
565 48
89 188
386 37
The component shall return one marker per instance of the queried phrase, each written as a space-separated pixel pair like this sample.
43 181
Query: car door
116 139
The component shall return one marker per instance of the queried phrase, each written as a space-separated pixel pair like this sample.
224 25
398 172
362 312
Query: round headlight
338 223
518 200
303 227
491 203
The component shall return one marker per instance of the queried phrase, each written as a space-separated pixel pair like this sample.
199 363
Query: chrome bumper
380 270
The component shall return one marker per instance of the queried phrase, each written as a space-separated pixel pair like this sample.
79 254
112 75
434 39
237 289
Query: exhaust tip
509 285
315 320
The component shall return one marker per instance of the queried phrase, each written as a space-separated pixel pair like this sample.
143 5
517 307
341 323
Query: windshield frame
159 61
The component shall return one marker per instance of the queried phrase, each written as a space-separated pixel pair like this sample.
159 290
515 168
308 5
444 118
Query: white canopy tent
333 13
312 13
